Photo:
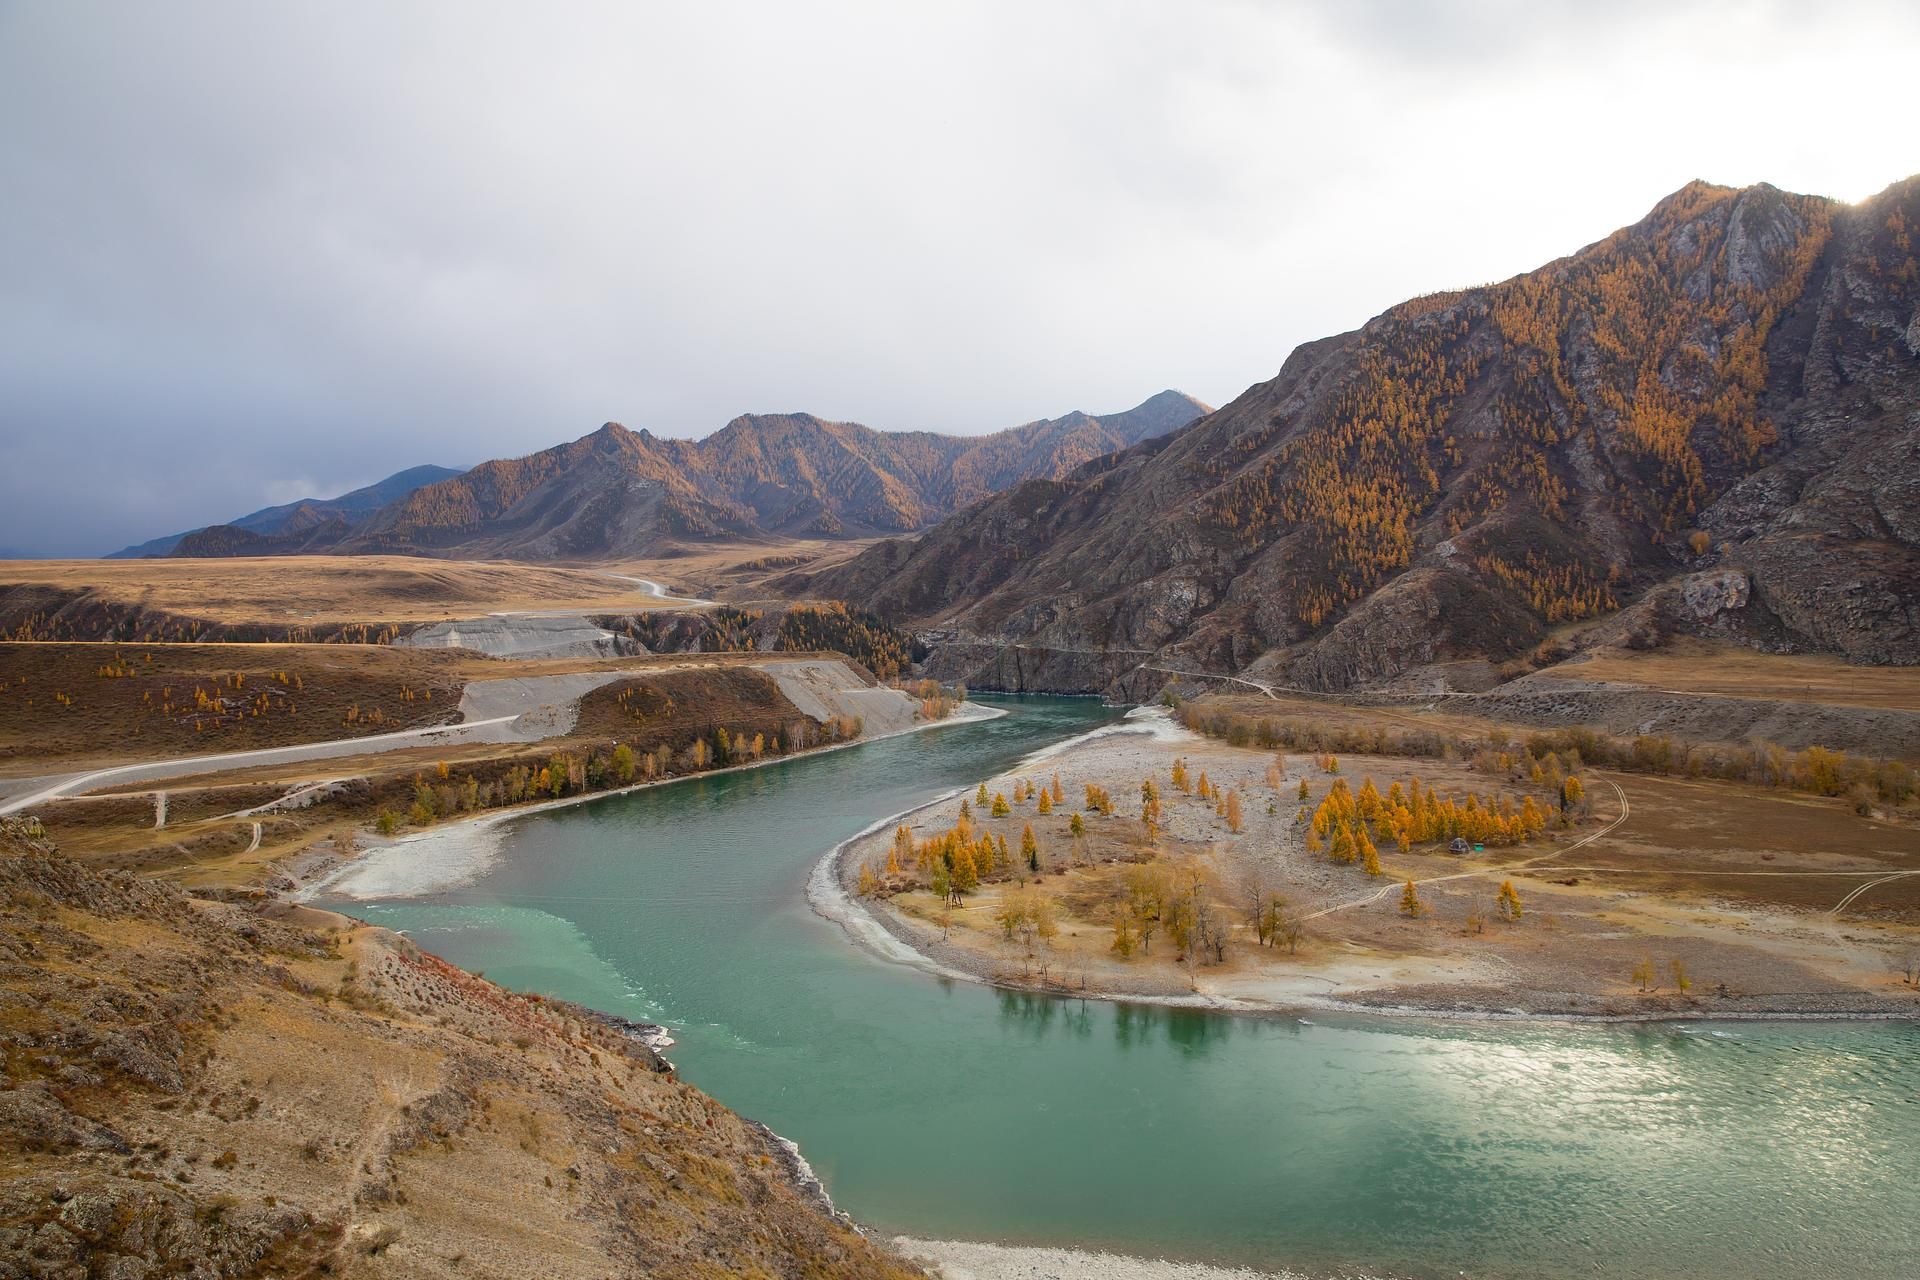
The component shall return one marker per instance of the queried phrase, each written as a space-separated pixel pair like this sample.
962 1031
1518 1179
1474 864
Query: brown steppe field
67 706
1724 670
64 706
315 590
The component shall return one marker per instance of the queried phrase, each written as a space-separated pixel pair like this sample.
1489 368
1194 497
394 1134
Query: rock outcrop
523 636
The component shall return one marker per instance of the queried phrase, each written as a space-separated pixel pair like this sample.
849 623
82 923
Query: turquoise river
1327 1146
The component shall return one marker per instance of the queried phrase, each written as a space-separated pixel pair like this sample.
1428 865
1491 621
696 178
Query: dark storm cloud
249 251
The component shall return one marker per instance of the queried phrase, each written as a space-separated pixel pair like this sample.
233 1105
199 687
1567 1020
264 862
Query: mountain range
621 493
306 515
1707 422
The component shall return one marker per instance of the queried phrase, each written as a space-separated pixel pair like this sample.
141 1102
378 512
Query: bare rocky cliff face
1706 423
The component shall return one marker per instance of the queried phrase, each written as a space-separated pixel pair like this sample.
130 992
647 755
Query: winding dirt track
1849 900
659 592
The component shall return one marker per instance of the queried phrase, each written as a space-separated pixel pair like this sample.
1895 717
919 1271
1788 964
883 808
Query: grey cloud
245 246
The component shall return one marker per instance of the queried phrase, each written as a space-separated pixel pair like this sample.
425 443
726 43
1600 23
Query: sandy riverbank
1571 957
968 1260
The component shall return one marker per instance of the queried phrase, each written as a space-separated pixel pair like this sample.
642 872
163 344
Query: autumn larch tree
1571 794
966 876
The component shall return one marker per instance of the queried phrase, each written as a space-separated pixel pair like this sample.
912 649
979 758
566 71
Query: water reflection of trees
1193 1032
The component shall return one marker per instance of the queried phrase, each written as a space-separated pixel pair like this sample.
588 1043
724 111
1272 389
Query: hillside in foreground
199 1087
1705 423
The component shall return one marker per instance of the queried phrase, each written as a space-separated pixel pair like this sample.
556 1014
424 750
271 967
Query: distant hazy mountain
1707 422
307 514
619 492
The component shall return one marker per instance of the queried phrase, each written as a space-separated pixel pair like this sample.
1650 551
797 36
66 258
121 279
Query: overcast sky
253 251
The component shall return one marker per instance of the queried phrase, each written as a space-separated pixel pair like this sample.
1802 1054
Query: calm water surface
948 1109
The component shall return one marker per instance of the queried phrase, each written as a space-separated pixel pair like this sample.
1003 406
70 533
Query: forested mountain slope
618 492
1707 421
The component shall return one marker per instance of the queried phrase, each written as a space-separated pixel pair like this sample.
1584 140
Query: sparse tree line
1345 821
937 701
134 624
1817 770
1647 977
954 863
497 783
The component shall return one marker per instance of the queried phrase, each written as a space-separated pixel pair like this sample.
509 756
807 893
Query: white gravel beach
967 1260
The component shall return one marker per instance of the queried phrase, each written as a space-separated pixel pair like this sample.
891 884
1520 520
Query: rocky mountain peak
1724 385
